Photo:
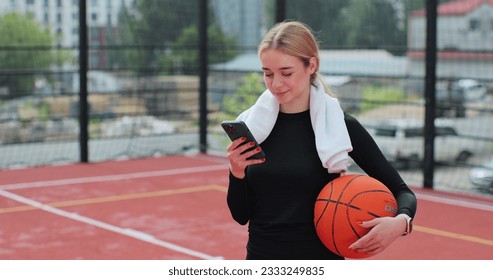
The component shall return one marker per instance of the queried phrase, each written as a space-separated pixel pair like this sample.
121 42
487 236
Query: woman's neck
296 106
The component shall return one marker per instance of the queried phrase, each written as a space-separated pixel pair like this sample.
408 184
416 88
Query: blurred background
99 80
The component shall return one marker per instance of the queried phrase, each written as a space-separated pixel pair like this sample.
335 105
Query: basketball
345 202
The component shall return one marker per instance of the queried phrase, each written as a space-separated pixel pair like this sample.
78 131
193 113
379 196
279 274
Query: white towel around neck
331 135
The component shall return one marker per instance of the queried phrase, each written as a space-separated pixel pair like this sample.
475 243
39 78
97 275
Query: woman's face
288 79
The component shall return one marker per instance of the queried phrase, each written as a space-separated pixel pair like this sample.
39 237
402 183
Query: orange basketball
345 202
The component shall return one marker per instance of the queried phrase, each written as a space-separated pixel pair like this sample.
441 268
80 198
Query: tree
355 23
322 16
245 95
373 25
148 31
126 55
183 56
158 35
27 48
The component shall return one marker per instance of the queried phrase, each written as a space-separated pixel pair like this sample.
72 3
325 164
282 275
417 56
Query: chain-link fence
144 78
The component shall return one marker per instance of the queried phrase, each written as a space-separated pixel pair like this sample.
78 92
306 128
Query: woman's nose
276 82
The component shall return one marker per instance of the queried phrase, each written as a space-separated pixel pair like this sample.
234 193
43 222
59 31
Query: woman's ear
313 66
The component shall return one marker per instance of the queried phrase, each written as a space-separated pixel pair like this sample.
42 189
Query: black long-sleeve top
277 197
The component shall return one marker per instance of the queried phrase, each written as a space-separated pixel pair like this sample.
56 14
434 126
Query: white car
472 89
482 176
402 142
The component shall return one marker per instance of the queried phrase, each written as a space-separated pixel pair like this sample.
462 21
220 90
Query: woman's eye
287 74
268 75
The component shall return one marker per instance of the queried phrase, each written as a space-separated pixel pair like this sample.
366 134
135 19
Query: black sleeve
367 155
237 199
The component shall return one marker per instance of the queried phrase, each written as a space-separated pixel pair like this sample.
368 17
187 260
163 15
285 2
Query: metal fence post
280 10
83 65
203 69
430 79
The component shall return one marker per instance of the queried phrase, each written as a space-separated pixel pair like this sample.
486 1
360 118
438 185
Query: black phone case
237 129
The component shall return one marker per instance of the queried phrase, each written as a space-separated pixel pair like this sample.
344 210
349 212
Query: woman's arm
237 199
385 230
368 156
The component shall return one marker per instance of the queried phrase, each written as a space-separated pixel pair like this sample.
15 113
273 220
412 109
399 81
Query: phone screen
237 129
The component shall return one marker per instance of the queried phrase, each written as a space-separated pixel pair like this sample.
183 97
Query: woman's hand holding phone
239 156
243 150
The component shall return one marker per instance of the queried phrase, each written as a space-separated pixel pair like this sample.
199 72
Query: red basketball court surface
174 208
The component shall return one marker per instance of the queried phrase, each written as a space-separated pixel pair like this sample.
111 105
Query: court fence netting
149 93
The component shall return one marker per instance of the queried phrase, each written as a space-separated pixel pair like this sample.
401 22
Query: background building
245 19
62 16
464 40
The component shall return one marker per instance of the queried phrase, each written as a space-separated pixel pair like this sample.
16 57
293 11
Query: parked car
472 89
452 96
482 176
450 101
402 142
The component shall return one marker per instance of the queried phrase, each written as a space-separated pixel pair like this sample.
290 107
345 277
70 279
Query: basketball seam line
348 205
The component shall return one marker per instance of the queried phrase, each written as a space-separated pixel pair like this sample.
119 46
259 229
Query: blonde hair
296 39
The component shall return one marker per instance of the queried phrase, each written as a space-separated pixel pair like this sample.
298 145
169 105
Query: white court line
108 178
434 198
474 204
142 236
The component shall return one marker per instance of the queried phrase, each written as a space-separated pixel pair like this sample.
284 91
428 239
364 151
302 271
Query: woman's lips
280 93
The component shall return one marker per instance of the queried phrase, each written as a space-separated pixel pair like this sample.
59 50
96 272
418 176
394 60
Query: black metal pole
83 65
280 10
430 80
203 69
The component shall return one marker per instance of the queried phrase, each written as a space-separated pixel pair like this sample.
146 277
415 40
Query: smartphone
237 129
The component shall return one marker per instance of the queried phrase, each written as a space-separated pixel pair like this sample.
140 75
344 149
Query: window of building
94 35
474 24
93 59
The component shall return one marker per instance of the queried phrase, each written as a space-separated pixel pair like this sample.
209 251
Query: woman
307 140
